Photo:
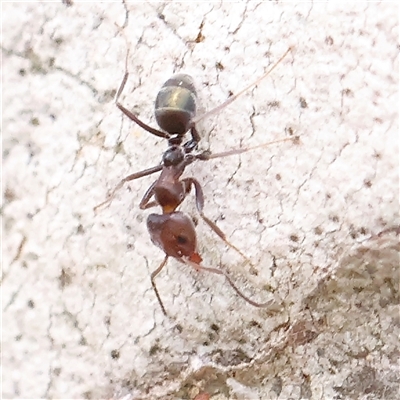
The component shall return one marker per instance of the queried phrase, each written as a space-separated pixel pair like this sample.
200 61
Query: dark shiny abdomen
175 104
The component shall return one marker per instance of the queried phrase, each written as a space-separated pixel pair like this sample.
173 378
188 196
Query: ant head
174 233
173 156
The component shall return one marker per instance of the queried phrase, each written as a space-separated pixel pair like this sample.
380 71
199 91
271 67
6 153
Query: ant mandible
173 231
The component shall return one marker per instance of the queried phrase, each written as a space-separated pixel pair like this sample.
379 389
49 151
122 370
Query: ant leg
191 144
235 96
132 116
234 287
129 178
129 114
145 203
153 275
200 205
207 155
195 135
142 124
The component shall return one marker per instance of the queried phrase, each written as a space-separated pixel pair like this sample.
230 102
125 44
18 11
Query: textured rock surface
318 219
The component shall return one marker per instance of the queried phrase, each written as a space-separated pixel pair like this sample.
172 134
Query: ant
173 231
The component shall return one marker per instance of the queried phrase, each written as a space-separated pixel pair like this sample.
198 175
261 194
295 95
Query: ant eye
181 239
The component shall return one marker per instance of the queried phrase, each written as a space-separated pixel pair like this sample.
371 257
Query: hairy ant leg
128 113
145 203
133 117
207 155
232 98
153 283
128 178
200 206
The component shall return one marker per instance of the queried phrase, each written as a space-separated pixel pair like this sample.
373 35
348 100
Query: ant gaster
173 231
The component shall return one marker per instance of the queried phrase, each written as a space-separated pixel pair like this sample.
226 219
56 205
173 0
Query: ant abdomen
175 105
175 234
